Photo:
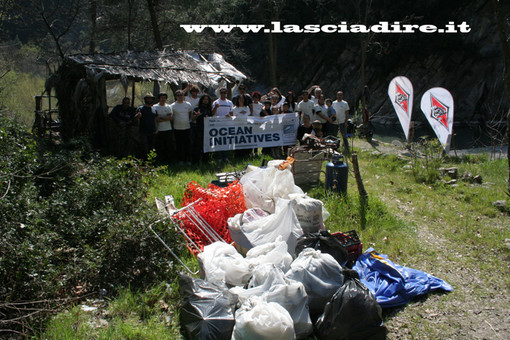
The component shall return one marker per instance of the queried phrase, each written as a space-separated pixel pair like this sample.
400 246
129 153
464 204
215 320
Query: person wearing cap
146 114
266 110
165 136
182 112
317 129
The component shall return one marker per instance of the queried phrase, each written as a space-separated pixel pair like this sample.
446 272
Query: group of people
176 130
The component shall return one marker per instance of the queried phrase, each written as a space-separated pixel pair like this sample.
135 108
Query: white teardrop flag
400 92
437 106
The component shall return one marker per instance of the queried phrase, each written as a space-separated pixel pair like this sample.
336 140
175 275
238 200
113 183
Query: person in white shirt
257 105
275 107
341 108
305 107
194 97
182 111
165 147
242 109
241 91
317 91
222 106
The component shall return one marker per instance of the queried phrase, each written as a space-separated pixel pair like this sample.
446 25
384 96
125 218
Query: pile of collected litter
269 269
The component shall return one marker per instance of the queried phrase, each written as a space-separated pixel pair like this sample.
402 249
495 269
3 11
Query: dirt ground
478 307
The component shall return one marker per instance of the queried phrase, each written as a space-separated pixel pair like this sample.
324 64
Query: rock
452 172
500 204
451 182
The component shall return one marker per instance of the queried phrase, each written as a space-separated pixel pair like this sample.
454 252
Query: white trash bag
257 319
221 263
282 223
269 282
310 212
321 275
273 253
262 187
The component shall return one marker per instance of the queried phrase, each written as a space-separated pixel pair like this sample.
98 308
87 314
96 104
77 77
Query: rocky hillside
469 65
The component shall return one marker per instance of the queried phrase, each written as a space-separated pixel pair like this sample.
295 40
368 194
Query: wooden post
359 182
133 94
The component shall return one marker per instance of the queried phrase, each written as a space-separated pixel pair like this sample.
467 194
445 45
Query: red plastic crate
352 243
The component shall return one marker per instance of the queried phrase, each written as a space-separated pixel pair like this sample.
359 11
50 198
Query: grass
15 88
454 232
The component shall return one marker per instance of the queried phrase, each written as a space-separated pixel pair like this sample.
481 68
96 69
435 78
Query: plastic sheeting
394 285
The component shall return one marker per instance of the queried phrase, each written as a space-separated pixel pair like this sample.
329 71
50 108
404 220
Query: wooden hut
80 82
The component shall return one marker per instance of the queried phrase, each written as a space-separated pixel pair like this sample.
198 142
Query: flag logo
402 98
439 111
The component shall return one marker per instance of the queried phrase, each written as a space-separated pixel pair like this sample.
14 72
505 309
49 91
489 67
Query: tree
57 16
151 5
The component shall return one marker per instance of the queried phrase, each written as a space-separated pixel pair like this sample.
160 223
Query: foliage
73 222
133 315
426 160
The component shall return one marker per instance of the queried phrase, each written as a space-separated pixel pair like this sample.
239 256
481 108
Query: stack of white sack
267 229
263 187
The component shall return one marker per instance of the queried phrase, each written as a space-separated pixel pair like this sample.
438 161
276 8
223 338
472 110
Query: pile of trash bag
280 280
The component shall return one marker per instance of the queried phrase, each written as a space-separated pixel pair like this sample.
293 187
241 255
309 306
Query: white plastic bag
270 283
221 263
282 223
262 187
257 319
273 253
321 275
309 212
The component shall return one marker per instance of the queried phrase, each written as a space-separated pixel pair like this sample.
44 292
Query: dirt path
479 306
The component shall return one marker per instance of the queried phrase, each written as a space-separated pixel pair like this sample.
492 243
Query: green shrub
426 160
73 222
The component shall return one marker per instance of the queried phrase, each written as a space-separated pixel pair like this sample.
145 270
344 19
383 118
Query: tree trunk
506 75
272 59
93 21
131 4
154 23
357 175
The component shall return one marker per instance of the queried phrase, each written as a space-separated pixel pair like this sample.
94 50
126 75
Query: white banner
400 92
234 133
437 106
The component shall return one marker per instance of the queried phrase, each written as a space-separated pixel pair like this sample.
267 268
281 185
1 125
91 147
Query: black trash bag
207 311
324 242
352 313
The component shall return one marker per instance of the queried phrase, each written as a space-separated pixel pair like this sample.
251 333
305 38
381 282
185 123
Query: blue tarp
394 285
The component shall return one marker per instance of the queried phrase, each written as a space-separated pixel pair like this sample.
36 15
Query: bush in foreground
72 223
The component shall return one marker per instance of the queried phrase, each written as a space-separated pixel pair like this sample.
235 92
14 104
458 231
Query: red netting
216 206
